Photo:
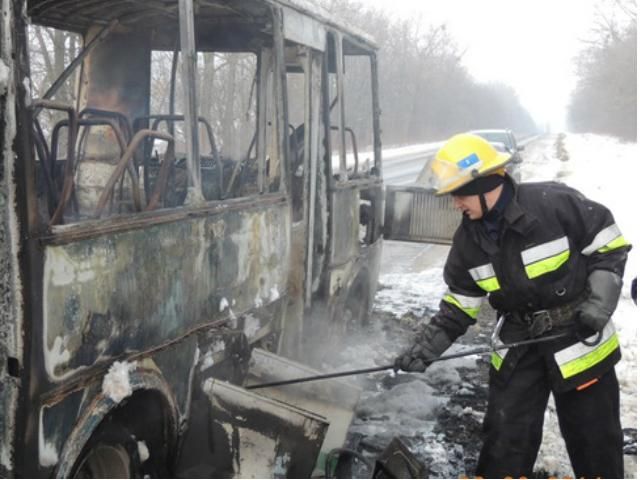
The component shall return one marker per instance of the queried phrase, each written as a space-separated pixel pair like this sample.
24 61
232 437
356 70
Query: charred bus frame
138 273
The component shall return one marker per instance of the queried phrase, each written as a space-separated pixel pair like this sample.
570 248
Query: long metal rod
475 351
190 102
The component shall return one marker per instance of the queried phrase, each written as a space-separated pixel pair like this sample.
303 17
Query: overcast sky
529 45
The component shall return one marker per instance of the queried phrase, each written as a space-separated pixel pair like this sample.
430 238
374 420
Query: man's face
469 205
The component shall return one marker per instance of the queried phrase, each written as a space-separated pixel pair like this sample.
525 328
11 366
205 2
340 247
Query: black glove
604 292
429 345
407 363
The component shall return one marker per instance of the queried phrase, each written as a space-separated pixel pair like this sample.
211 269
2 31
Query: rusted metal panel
132 290
265 438
416 215
303 29
333 399
345 212
14 94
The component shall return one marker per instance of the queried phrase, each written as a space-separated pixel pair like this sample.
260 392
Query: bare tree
605 97
426 92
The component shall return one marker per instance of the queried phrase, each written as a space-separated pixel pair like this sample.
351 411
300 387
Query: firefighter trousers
589 420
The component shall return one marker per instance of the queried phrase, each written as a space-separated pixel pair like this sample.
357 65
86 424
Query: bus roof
79 15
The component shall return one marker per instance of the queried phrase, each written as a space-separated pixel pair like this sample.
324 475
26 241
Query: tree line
605 98
426 92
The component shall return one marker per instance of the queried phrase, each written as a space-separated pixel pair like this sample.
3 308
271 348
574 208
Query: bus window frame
88 228
338 63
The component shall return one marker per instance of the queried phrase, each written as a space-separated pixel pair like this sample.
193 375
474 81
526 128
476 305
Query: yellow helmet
462 159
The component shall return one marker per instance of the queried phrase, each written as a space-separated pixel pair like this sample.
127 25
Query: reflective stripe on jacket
551 239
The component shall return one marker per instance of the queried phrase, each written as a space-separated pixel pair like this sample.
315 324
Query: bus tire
112 452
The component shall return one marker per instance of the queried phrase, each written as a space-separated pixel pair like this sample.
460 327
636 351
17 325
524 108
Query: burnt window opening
296 99
227 120
117 144
350 87
358 98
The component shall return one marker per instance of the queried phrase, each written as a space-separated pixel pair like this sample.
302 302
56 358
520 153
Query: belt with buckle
541 321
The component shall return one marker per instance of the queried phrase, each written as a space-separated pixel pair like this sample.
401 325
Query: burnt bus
158 251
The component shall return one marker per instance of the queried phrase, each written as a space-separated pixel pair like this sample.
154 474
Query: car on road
505 141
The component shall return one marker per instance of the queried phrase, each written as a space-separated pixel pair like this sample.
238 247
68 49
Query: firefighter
551 261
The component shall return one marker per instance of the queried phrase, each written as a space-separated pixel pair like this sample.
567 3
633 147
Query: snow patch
402 293
47 451
116 384
233 320
224 304
208 359
258 301
4 76
274 294
251 326
281 465
410 400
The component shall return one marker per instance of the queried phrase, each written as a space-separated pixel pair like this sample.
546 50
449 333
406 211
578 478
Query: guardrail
402 166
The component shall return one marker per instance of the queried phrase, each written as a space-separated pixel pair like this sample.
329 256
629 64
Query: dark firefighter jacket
551 239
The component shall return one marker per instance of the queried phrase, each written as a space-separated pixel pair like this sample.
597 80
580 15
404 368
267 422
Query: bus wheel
112 454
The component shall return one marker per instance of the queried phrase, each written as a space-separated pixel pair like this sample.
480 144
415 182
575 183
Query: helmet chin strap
483 204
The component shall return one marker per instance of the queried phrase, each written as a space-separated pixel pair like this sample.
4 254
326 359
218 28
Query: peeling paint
254 426
108 288
66 270
281 465
58 353
47 452
256 456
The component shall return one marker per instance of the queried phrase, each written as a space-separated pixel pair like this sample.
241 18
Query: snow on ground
438 414
390 154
